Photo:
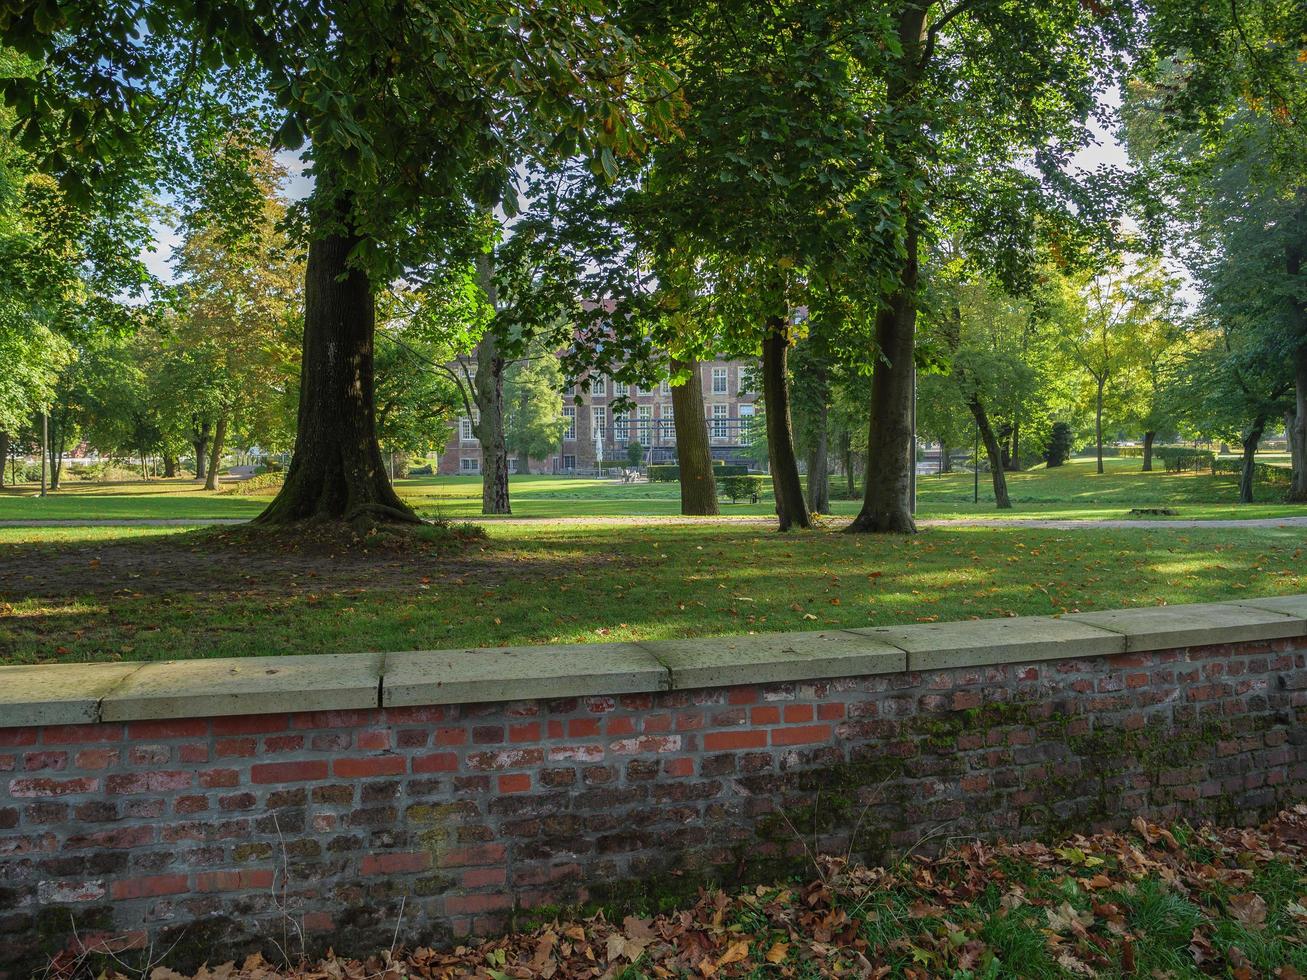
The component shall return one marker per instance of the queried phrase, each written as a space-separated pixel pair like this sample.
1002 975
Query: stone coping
65 694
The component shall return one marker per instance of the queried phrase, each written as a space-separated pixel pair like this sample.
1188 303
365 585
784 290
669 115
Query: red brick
334 719
768 714
655 724
471 904
469 857
484 877
395 862
450 736
748 739
15 737
148 887
589 727
975 784
621 725
288 772
376 765
231 881
35 761
95 758
529 732
518 782
377 740
194 752
191 804
250 724
797 712
118 837
965 700
415 715
243 748
742 695
801 735
505 759
147 782
679 767
646 743
172 728
72 734
436 762
40 787
830 711
283 743
219 778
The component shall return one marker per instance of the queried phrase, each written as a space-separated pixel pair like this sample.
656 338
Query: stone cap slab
1290 605
1201 624
764 658
519 673
57 694
981 642
245 686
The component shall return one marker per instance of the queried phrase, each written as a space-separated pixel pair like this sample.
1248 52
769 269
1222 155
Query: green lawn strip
542 584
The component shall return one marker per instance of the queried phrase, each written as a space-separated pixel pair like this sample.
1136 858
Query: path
1025 522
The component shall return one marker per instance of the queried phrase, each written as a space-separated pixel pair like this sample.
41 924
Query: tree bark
200 440
169 466
886 505
945 464
488 393
1148 451
4 455
818 466
787 489
336 472
1250 440
1296 434
215 453
849 482
58 440
1098 424
693 452
1015 458
993 450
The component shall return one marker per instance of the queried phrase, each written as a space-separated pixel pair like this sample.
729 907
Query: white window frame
720 422
644 424
746 413
465 433
722 375
598 421
620 389
664 387
621 427
469 464
598 386
569 413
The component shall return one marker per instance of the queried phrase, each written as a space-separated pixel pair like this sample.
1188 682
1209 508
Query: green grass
73 594
1069 492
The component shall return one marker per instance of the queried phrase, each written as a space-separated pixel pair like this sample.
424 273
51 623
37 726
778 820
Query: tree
533 420
401 110
697 481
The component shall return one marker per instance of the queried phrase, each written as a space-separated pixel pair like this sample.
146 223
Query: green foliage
1059 444
671 473
533 407
634 453
737 487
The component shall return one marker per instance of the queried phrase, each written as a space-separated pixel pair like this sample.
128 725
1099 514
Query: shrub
255 484
1059 444
423 470
1182 459
739 486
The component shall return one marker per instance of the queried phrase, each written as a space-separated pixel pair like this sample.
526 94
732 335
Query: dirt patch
248 561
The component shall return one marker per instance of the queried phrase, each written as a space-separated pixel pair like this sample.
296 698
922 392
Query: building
597 431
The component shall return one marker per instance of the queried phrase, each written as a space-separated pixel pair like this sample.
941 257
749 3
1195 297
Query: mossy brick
246 686
57 694
1021 639
1201 624
768 658
519 673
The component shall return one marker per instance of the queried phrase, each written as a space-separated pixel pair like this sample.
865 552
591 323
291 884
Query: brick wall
219 835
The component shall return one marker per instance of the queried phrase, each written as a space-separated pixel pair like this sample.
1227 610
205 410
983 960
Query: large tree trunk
200 440
993 450
488 393
169 465
693 453
886 504
1296 434
1098 424
1251 438
945 464
336 472
819 467
4 455
791 510
215 453
1148 451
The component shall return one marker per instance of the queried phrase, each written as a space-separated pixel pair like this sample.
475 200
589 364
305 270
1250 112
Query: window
746 424
644 424
569 413
621 389
512 464
719 424
719 381
469 464
665 388
598 386
622 428
569 463
598 422
642 390
465 430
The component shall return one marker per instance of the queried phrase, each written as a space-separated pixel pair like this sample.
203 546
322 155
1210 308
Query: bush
1059 444
1262 472
264 481
671 473
423 470
739 486
1182 459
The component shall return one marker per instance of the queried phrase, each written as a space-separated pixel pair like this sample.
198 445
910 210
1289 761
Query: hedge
1262 472
671 473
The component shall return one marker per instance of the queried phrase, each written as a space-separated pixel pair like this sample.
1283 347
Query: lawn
78 594
1073 491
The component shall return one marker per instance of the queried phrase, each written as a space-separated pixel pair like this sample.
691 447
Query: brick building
598 432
